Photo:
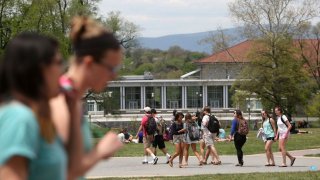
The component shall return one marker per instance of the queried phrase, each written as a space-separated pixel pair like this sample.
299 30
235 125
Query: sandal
283 166
170 163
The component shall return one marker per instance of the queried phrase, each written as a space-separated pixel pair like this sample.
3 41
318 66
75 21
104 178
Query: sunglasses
113 69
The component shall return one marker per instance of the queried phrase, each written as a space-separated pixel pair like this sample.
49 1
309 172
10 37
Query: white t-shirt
205 121
282 128
121 137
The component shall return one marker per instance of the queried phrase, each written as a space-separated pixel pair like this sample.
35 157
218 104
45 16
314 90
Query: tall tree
275 74
126 31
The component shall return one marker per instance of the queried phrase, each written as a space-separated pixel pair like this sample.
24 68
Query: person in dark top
127 136
239 140
140 135
178 139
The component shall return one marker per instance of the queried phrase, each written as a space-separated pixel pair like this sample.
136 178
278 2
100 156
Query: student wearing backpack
284 128
192 137
158 137
239 131
178 139
209 136
147 136
269 129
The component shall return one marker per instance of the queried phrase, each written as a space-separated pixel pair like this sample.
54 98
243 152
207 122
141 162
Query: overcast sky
163 17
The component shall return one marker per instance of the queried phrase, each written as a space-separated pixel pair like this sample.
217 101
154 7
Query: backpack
243 127
171 131
193 131
162 126
213 124
151 126
283 121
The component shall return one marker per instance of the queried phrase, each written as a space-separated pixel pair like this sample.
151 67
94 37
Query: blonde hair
85 28
90 38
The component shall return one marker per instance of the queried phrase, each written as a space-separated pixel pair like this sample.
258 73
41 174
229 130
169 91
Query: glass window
230 94
215 96
112 98
133 97
174 97
90 106
153 97
194 97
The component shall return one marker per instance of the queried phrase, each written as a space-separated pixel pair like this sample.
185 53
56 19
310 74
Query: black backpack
151 126
193 131
213 124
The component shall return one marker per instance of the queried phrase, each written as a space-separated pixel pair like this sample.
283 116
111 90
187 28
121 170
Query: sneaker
168 158
155 160
144 162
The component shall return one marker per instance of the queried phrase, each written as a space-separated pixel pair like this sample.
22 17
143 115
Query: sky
163 17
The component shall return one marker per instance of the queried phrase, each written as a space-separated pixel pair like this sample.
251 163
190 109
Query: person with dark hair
174 112
209 137
29 76
97 56
147 138
239 138
192 136
269 129
178 139
158 137
283 132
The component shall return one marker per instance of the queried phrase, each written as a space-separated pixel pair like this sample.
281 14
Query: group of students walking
195 129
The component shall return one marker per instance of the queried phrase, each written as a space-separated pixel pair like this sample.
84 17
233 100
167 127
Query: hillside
186 41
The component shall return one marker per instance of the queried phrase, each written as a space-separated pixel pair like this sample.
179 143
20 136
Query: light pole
109 99
152 99
199 95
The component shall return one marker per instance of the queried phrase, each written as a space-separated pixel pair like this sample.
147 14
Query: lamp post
152 99
199 95
109 99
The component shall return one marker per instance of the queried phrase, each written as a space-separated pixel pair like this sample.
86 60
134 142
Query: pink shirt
144 123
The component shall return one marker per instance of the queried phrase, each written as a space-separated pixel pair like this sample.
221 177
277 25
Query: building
209 85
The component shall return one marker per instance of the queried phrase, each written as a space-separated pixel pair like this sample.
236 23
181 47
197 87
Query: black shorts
158 141
270 139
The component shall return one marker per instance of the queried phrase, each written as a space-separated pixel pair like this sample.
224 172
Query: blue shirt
267 129
234 127
222 134
20 136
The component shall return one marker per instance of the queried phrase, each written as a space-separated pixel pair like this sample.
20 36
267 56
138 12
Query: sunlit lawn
252 146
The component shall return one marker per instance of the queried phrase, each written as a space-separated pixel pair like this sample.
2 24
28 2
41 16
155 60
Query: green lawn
252 146
313 155
260 176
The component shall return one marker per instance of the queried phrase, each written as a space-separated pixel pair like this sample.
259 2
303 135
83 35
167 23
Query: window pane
133 97
153 97
174 95
215 96
194 97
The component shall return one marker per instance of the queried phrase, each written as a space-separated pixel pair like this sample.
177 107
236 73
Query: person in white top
282 134
209 137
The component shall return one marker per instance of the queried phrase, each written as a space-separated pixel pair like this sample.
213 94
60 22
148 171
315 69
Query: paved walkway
132 166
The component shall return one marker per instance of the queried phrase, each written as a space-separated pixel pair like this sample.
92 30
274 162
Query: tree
126 31
275 74
310 50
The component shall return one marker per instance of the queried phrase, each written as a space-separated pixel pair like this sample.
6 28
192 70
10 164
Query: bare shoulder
60 116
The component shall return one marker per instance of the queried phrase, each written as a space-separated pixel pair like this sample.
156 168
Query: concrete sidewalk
132 166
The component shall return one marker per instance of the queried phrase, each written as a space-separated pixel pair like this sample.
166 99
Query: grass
252 146
313 155
260 176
